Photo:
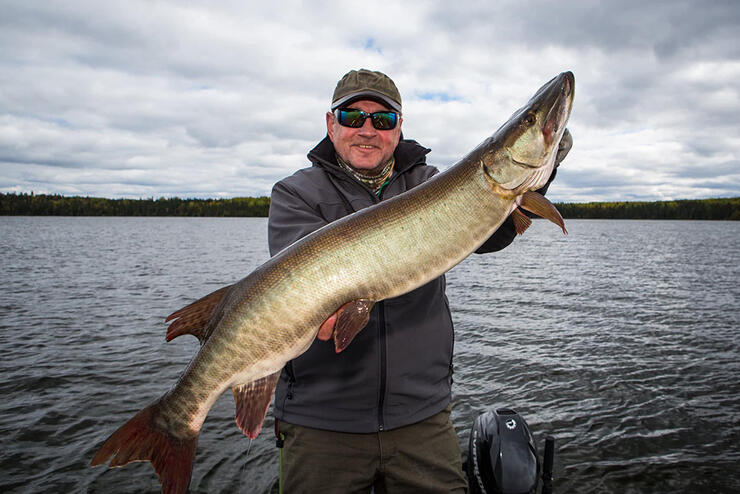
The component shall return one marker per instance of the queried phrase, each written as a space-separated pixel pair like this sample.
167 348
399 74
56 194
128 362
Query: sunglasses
382 120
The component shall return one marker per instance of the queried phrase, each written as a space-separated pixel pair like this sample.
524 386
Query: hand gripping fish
330 279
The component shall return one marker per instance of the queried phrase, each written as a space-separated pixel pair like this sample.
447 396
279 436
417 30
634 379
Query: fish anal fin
252 400
521 221
193 318
141 439
351 318
539 205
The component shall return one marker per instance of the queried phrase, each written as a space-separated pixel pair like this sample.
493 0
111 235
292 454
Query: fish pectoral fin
351 318
539 205
521 221
252 400
193 318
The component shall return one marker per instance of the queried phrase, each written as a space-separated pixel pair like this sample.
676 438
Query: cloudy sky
221 99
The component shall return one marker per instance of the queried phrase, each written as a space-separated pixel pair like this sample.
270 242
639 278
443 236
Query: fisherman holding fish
360 243
378 413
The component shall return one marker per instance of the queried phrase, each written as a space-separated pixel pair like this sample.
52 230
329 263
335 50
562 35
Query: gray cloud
142 99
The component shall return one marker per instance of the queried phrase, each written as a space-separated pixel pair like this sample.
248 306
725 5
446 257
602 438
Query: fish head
520 155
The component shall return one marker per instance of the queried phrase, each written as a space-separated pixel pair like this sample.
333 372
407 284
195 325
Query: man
377 414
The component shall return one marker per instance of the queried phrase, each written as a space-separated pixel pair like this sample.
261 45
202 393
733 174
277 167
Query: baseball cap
366 84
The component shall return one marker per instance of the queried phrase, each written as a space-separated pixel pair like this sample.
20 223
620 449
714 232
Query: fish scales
429 226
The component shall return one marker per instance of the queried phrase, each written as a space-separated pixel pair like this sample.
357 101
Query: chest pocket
333 211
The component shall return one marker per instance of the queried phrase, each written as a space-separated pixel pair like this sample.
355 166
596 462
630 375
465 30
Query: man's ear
330 125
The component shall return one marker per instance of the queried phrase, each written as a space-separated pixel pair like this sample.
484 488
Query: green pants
419 458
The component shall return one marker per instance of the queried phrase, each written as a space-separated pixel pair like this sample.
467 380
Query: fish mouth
525 165
562 93
554 100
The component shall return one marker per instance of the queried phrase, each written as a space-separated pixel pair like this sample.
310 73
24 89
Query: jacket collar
408 154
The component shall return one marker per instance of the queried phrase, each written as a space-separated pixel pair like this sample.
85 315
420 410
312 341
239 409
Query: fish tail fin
140 439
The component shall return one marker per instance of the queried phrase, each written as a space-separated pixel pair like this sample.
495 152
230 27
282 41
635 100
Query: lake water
622 340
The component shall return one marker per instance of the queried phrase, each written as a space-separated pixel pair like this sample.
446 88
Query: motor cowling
502 455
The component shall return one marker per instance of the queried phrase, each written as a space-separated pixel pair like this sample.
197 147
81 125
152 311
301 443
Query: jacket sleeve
506 233
290 218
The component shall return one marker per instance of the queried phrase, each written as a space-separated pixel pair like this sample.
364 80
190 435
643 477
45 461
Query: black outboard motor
502 455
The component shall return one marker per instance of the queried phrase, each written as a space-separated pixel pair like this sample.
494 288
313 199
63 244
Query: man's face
365 148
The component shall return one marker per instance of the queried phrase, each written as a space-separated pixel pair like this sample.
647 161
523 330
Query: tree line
59 205
685 209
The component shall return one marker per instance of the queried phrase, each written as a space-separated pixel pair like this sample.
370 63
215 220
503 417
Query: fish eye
529 119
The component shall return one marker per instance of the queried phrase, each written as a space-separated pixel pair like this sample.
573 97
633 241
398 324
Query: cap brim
367 94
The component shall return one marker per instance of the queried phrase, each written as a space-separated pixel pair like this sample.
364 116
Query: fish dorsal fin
193 318
351 318
521 221
252 400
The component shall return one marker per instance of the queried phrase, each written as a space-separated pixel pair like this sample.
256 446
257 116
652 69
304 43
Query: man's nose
367 128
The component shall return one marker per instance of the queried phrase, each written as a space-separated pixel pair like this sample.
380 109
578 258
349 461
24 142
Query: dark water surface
622 340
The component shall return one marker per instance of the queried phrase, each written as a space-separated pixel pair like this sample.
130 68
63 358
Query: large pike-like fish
326 283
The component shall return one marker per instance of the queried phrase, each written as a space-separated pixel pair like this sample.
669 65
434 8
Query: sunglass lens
351 118
384 120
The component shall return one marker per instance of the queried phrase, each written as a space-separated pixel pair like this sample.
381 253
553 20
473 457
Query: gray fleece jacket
398 369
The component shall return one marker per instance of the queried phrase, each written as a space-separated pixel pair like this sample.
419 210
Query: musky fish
326 283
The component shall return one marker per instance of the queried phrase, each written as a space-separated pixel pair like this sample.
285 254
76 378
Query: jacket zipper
291 380
382 334
383 363
452 352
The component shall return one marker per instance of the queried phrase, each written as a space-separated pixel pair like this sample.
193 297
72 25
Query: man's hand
566 142
327 328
